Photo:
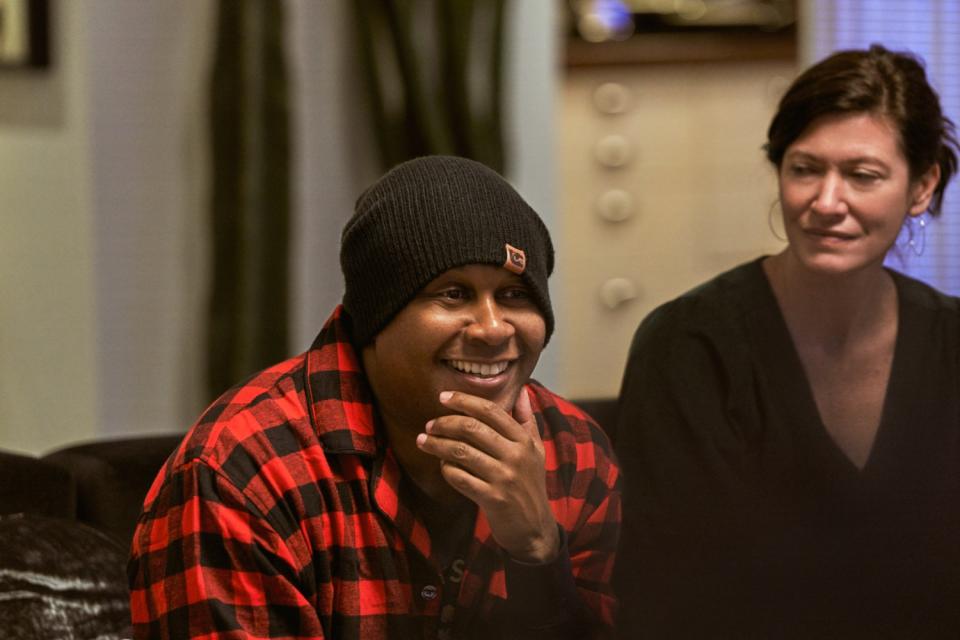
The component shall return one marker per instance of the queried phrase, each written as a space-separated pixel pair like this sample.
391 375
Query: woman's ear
921 192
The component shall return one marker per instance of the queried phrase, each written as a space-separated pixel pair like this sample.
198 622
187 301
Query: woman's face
845 190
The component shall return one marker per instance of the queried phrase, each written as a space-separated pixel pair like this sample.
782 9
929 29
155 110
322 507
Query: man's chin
504 398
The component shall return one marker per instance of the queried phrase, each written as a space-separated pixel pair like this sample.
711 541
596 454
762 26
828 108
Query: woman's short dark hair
878 81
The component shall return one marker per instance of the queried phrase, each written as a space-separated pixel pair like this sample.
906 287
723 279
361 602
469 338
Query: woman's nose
830 196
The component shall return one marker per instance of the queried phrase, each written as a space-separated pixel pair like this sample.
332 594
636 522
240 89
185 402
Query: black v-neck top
742 518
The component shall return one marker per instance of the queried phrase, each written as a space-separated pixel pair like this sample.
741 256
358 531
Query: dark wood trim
660 48
39 11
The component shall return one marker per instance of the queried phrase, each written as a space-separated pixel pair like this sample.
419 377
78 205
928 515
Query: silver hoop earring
782 238
918 239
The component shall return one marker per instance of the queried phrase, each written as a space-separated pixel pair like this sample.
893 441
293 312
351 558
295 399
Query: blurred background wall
104 171
641 151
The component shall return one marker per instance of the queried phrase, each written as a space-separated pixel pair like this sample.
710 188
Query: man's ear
922 190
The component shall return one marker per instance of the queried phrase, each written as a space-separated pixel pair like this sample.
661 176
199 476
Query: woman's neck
831 309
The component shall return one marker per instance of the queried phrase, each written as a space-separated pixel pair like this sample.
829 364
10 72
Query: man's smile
481 369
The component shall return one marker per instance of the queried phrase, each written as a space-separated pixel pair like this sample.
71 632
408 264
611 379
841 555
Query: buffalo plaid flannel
283 515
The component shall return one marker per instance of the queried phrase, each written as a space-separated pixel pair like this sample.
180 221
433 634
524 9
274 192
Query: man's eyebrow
441 281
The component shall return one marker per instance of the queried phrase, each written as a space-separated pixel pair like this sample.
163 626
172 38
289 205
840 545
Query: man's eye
800 170
517 293
453 294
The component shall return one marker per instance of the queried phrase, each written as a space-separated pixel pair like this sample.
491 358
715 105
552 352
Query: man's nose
489 323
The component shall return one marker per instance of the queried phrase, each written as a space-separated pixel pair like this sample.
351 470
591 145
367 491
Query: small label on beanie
516 260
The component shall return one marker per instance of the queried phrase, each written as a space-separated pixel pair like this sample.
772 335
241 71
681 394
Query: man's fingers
459 453
465 483
523 413
486 411
495 457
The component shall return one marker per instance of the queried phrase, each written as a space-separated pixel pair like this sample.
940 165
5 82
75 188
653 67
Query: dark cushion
31 485
61 579
604 411
113 477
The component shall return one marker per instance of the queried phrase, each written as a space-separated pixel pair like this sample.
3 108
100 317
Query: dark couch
100 483
66 521
604 411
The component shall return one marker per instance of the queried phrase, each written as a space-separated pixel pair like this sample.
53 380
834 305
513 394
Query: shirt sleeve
206 563
550 603
572 597
690 494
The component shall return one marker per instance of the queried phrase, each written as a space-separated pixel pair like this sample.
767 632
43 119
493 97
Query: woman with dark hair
789 431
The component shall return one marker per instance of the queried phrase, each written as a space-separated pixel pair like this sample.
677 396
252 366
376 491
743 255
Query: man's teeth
480 369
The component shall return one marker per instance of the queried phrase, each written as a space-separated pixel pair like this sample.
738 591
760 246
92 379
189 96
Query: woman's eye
865 177
800 170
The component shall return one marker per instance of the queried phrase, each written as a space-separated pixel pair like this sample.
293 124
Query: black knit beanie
426 216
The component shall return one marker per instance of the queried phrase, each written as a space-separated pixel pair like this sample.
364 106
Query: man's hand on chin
497 460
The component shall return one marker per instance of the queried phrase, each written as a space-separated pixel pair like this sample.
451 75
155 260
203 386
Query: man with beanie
403 478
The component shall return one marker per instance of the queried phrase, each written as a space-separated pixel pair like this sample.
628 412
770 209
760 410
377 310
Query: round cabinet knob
615 205
615 291
613 151
611 98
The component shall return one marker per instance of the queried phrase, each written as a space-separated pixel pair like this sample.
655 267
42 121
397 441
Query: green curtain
250 194
434 71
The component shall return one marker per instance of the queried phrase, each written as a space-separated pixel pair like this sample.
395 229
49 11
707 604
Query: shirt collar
338 395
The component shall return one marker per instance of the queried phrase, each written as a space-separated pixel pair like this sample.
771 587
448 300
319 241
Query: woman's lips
827 236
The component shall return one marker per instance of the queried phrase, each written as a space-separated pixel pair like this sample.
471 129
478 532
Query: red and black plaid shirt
284 515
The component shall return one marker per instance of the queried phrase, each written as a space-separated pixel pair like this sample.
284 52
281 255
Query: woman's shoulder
716 305
916 294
